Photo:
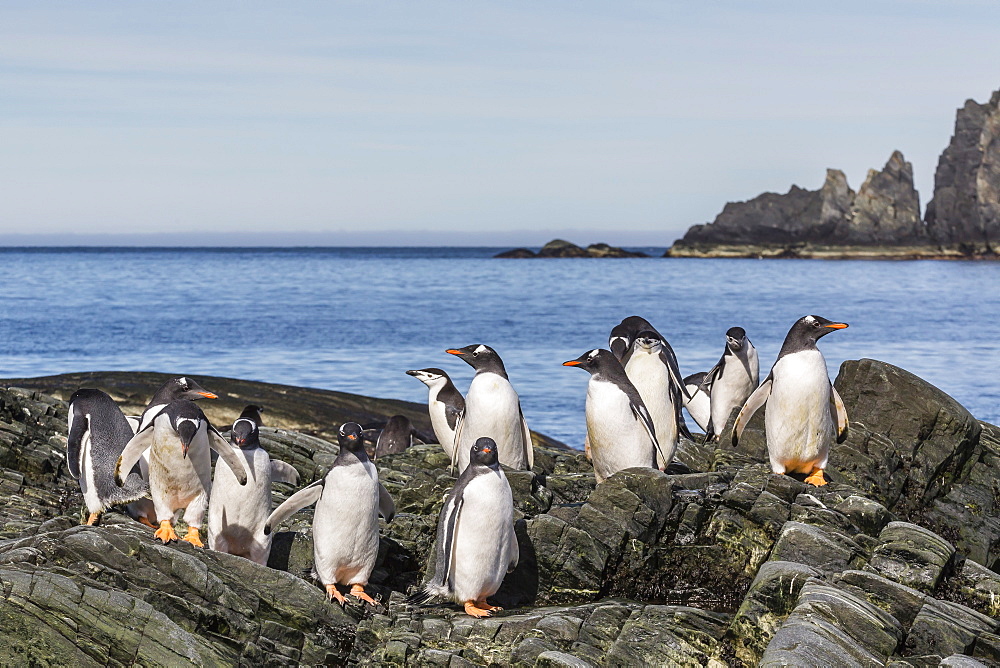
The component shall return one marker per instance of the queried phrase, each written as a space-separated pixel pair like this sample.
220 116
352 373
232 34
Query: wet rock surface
892 563
563 248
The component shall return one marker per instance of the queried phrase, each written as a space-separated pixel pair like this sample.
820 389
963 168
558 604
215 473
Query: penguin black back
396 436
482 358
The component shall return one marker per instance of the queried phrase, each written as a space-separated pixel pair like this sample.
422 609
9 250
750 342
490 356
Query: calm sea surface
354 319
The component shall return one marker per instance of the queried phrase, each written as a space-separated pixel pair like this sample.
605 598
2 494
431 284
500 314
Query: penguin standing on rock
730 382
476 545
98 432
492 408
805 414
172 390
236 513
619 428
651 366
445 404
345 525
178 439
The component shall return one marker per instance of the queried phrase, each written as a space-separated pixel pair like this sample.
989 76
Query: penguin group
159 464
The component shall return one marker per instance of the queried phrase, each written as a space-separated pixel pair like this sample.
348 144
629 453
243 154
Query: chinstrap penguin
445 405
619 428
345 524
492 408
652 368
624 333
804 411
236 513
178 440
475 545
698 403
98 432
731 381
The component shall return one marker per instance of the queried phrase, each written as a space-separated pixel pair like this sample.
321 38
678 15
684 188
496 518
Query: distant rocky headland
562 248
882 219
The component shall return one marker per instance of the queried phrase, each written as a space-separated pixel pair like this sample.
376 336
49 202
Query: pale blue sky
431 122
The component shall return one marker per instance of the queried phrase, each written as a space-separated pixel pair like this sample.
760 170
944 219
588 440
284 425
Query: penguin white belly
177 482
617 440
345 525
491 409
797 421
730 391
236 513
87 484
482 542
439 423
652 380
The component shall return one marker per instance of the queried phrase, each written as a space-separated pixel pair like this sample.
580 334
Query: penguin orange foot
483 605
145 520
333 593
166 532
93 519
472 609
193 536
816 478
358 591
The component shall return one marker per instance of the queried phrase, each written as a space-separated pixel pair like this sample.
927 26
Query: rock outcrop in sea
563 248
894 562
883 218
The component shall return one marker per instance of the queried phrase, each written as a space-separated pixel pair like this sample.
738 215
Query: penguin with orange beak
805 414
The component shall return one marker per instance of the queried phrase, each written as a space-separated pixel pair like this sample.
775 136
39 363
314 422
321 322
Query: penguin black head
806 331
734 338
481 358
186 419
245 433
648 339
484 452
625 332
181 388
351 438
428 376
596 361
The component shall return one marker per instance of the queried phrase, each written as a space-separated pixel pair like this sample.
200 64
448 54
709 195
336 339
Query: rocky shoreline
893 563
563 248
809 251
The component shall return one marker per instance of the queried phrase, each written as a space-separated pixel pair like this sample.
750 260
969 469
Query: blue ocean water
354 319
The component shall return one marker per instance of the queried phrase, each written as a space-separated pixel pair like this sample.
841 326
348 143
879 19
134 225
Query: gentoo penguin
619 428
172 390
180 466
732 380
804 411
652 368
492 409
395 437
698 403
445 405
98 432
236 513
345 525
475 545
624 333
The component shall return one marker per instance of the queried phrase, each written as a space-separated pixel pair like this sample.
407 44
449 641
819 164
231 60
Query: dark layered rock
893 563
965 209
562 248
885 212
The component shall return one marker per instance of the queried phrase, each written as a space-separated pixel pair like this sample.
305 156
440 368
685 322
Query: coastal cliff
883 218
895 561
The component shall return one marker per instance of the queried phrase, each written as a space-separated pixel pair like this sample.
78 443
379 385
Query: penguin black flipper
304 497
133 451
642 415
529 449
514 550
751 406
228 453
712 375
78 426
386 506
839 414
283 472
445 544
458 435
